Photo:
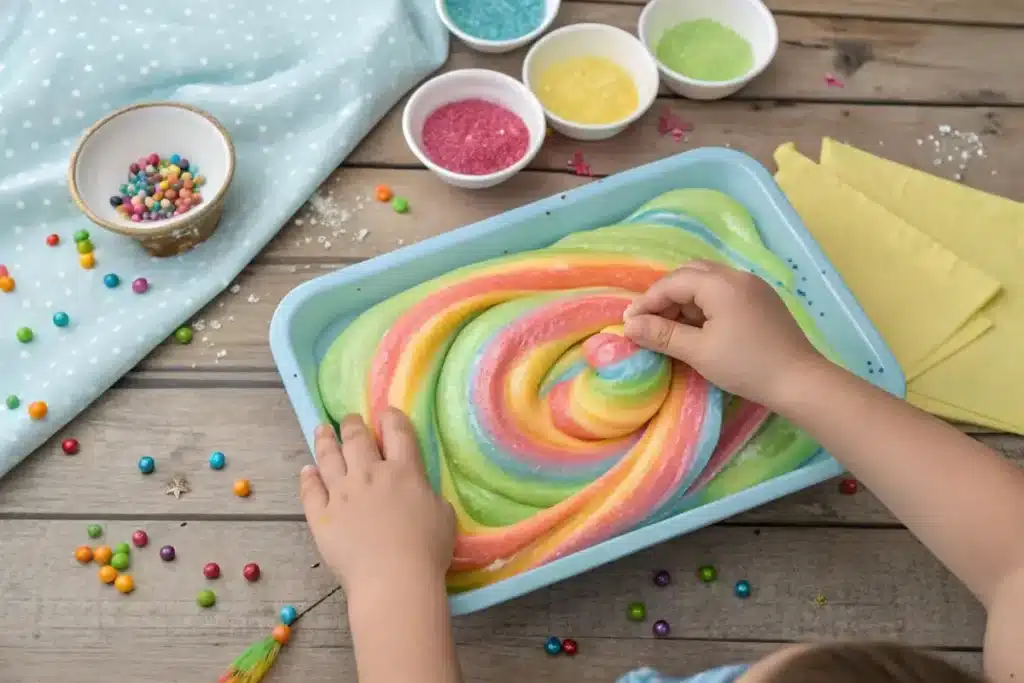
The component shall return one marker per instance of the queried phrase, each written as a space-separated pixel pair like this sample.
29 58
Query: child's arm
389 538
960 498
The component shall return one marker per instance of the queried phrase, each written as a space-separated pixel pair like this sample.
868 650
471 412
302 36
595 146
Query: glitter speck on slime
474 137
705 50
589 90
545 427
495 19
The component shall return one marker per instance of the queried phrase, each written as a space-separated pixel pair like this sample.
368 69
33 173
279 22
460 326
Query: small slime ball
120 561
217 460
400 204
108 574
140 285
24 335
140 539
662 578
69 446
111 280
37 410
242 488
251 572
167 553
661 628
102 554
61 319
570 647
288 615
707 573
147 465
553 646
124 583
742 589
12 402
211 570
282 633
183 335
83 554
206 598
636 611
94 530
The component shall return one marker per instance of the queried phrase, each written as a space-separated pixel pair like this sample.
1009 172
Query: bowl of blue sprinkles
497 25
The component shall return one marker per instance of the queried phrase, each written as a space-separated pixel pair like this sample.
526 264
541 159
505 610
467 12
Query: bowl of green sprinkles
497 25
709 49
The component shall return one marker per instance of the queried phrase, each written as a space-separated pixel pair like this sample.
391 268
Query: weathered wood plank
994 12
256 428
877 60
878 584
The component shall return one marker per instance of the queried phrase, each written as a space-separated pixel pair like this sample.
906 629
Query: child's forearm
402 633
961 499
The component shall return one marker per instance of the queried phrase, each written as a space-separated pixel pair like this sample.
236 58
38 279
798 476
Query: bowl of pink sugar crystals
474 128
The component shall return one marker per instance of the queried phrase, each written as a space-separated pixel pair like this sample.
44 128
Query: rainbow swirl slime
545 427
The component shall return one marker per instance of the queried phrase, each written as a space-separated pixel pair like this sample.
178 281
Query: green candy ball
81 235
120 561
707 573
13 402
123 548
636 611
183 335
84 246
206 598
24 335
94 531
400 204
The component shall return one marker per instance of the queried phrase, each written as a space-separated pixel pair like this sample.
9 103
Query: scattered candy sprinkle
636 611
108 574
211 570
832 82
848 487
83 554
37 410
61 319
820 600
707 573
140 285
111 280
282 633
53 240
24 335
570 647
70 447
579 166
94 530
742 589
147 465
553 645
288 615
670 124
251 572
13 402
206 598
242 488
167 553
506 20
102 554
183 335
474 137
217 460
157 189
140 539
399 205
124 584
662 578
661 628
384 193
120 561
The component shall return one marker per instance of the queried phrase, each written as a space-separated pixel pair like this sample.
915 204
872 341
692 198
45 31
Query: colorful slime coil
545 427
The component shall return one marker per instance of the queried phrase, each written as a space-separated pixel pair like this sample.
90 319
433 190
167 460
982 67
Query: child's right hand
729 325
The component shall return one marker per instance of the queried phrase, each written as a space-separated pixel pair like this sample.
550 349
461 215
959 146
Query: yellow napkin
920 296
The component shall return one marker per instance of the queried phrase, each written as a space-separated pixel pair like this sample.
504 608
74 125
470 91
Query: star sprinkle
579 166
820 600
670 124
177 487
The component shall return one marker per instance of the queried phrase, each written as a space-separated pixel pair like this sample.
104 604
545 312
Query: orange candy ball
384 193
37 410
124 583
83 554
242 488
281 634
87 261
108 574
102 554
170 194
6 283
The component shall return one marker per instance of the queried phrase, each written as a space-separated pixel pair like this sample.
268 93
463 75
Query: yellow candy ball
124 583
186 175
173 170
87 261
164 184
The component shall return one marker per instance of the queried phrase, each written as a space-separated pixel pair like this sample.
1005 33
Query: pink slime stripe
736 432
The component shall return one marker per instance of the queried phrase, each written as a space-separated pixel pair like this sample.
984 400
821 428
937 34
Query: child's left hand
374 516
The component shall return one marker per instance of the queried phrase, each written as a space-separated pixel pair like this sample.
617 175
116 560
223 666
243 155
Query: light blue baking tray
313 314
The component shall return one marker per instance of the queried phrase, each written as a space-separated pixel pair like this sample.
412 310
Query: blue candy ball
217 460
175 159
288 615
111 280
147 465
61 319
742 589
553 646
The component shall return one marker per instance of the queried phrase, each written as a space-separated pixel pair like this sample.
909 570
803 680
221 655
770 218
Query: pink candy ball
153 159
136 218
140 285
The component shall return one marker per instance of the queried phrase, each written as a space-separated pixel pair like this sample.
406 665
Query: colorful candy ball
84 246
636 611
400 204
211 570
206 598
24 335
217 460
167 553
159 190
6 283
12 402
147 465
94 530
69 446
251 572
742 589
140 285
242 488
183 335
102 554
87 261
384 193
140 539
661 628
662 578
707 573
570 647
37 410
81 236
122 548
107 574
83 554
848 487
282 633
120 561
111 280
61 319
553 645
53 240
288 615
124 583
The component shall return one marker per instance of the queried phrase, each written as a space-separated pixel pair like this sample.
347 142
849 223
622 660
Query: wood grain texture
878 61
256 428
878 584
993 12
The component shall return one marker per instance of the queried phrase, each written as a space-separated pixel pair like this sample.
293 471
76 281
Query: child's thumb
663 335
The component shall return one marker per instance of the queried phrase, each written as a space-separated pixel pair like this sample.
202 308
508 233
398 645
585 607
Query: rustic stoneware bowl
100 164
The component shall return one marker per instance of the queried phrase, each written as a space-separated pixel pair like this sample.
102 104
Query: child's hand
373 515
728 325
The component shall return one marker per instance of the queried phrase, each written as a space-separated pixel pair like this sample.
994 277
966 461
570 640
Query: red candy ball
53 240
69 446
251 572
140 539
570 647
211 570
153 159
848 487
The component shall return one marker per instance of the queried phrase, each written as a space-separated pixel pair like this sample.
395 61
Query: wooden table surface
908 67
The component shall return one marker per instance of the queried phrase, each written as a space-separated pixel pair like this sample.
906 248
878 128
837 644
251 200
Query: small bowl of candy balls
474 128
155 172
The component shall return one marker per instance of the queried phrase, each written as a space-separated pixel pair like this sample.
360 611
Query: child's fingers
665 336
399 437
329 458
312 492
358 445
679 289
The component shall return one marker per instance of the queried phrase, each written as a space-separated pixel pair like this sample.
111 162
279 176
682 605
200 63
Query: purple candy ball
661 628
183 164
140 285
662 578
134 168
167 553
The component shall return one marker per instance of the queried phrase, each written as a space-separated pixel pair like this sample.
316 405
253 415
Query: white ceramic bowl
750 18
551 8
465 84
594 40
100 164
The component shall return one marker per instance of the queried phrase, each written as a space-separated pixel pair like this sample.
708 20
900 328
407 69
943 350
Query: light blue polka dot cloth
297 83
724 674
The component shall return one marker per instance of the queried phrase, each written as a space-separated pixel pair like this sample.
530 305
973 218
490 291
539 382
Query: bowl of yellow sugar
709 49
593 80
